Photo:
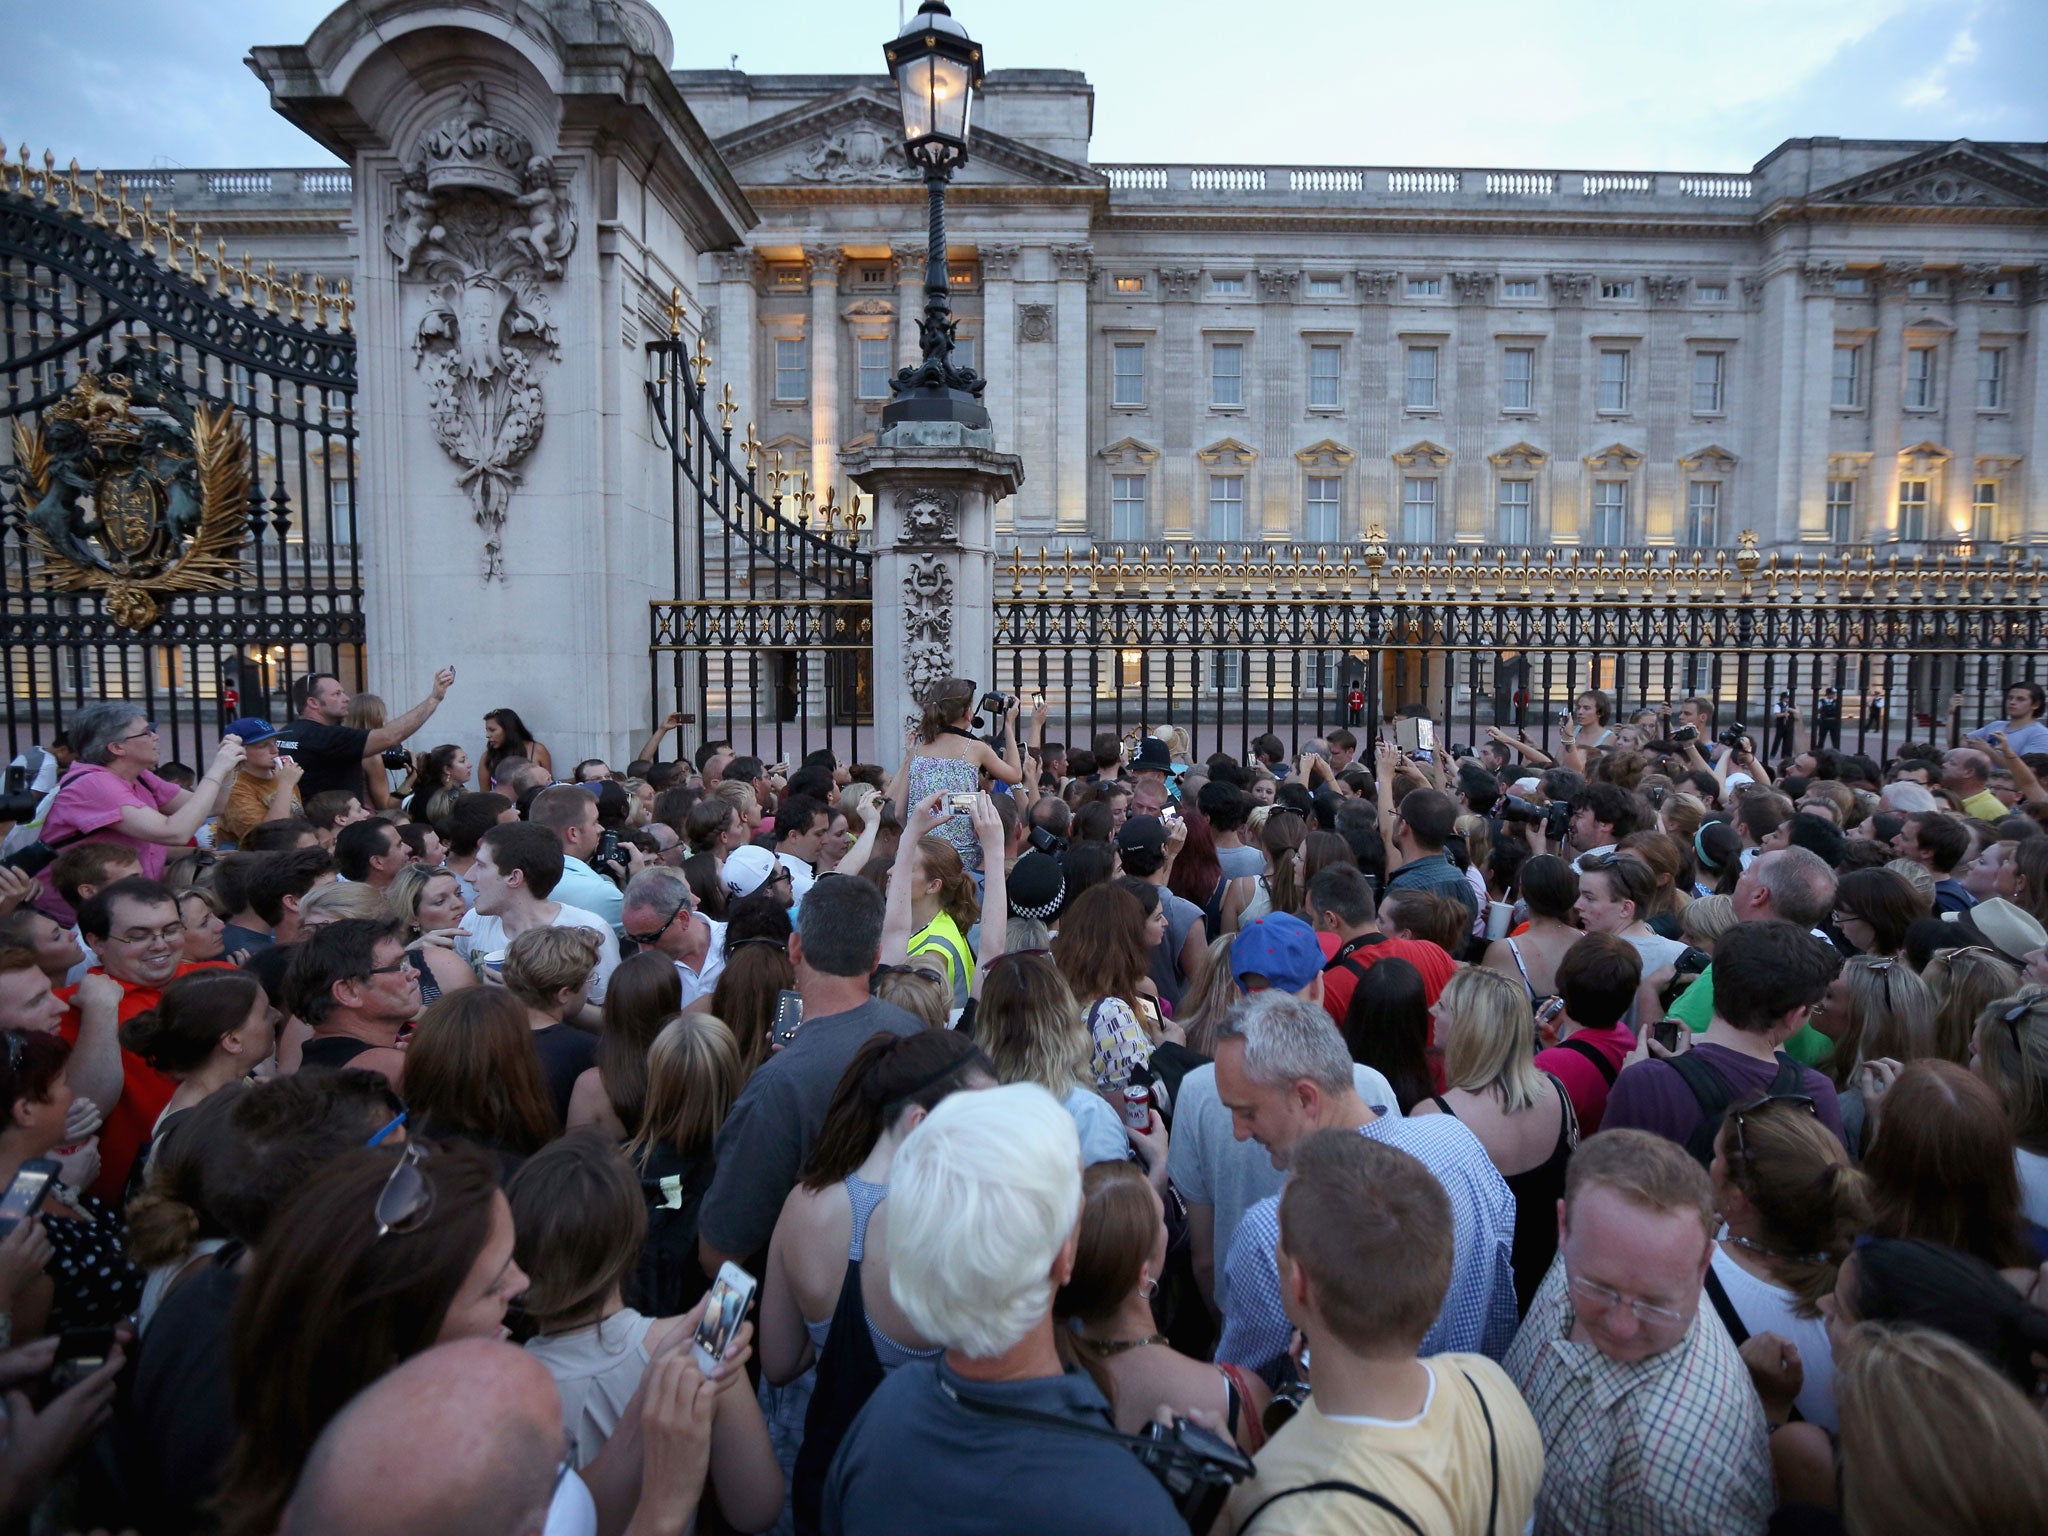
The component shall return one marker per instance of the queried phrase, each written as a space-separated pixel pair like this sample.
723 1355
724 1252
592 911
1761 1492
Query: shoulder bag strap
1717 1293
1608 1070
1492 1454
1336 1486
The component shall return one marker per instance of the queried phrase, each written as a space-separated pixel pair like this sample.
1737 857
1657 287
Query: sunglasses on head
408 1195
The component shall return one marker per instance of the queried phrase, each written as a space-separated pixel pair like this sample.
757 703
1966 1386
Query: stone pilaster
1887 401
910 264
1570 502
935 488
824 263
999 341
2030 409
1959 407
1815 362
738 310
1070 494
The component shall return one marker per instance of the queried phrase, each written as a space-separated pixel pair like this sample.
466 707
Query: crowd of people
1642 1137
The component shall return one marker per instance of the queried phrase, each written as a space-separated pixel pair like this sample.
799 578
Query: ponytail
888 1075
186 1025
1811 1205
948 704
956 887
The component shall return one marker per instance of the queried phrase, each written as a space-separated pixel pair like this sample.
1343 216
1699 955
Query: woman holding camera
942 757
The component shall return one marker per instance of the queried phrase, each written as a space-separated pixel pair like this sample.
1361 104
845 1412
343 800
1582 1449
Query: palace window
1851 287
1325 378
1924 287
1130 285
1623 288
964 352
1610 513
1710 293
1127 508
874 367
1991 378
1226 507
1919 378
790 369
1518 288
1127 363
2000 288
1514 503
1614 381
1841 511
1418 510
1912 511
788 279
1518 379
1326 287
1226 374
1226 285
1703 513
1425 287
1322 516
1984 512
1318 671
1421 378
1848 387
1707 371
1226 671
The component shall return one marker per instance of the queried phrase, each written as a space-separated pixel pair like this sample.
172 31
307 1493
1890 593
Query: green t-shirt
1695 1006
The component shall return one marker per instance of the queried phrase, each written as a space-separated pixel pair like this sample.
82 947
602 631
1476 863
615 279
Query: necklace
1772 1253
1104 1348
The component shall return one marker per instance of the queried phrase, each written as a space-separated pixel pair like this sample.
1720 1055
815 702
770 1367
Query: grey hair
658 889
1906 798
97 727
1288 1039
1802 886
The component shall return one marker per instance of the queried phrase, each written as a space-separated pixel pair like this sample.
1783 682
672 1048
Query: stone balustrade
1310 185
191 190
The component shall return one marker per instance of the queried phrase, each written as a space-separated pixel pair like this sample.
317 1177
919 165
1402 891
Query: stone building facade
1843 346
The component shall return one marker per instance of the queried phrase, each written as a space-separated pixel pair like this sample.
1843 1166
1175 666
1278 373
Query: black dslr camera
609 859
1734 736
1553 816
994 703
395 758
1196 1467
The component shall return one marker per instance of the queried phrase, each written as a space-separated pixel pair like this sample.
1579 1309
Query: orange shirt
144 1090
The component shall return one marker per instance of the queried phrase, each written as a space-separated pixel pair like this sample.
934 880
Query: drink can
1137 1106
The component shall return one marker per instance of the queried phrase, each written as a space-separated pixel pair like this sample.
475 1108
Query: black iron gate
179 446
768 640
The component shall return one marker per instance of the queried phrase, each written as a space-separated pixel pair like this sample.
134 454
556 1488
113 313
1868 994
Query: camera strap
1147 1451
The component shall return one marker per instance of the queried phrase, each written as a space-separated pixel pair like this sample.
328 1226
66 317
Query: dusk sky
1542 83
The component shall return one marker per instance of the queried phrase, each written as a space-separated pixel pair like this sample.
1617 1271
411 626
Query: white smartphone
732 1293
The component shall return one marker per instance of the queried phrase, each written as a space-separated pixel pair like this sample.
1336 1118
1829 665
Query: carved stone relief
927 624
1667 290
1376 287
1570 288
1472 287
859 153
1177 282
997 261
929 516
1034 322
483 222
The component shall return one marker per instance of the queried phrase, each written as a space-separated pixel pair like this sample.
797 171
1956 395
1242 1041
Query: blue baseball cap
251 730
1279 947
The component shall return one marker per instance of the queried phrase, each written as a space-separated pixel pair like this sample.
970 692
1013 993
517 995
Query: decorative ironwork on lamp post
937 67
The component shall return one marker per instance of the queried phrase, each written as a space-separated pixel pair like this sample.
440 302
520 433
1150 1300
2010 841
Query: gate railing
773 650
1233 646
94 279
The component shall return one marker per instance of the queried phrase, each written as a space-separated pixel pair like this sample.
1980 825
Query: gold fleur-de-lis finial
727 408
700 362
675 311
752 444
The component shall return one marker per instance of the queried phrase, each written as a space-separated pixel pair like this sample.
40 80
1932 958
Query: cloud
1932 88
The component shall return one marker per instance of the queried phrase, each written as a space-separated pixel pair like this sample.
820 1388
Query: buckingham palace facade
1840 346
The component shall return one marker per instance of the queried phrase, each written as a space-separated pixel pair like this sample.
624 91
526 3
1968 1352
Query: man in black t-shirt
332 753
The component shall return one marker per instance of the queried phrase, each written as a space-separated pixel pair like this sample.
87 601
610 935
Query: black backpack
1715 1094
669 1277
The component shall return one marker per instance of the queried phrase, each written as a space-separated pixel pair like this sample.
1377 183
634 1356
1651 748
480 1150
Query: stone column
910 264
1570 506
935 487
1376 501
824 263
1468 517
1808 481
523 206
1070 496
999 341
2031 412
1959 486
737 344
1887 402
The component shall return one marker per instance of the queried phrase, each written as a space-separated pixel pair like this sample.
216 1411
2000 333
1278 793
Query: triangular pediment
1127 450
1958 175
1424 453
1713 458
1614 456
1226 450
1523 455
1327 453
855 138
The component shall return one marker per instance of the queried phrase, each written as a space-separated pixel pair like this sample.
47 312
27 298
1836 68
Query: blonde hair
1491 1042
408 889
1683 813
1705 919
915 991
340 899
1030 1024
693 1075
542 962
1919 876
1964 983
2012 1057
1891 1013
737 795
1934 1439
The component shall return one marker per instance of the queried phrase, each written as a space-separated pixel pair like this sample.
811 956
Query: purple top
89 801
1651 1096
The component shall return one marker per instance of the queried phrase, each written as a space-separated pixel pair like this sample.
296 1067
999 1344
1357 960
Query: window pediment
1615 456
1923 458
1127 450
1227 450
1325 455
1424 453
1713 458
1519 456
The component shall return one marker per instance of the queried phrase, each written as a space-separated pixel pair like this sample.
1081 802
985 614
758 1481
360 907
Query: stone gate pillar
529 189
935 487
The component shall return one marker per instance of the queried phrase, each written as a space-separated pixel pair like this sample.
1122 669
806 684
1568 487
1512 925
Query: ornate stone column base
935 487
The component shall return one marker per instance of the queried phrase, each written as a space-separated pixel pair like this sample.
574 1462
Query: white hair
1286 1039
1906 798
981 1197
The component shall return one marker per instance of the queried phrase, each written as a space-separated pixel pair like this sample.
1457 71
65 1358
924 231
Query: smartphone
1564 718
1665 1032
1169 818
1038 701
724 1310
962 805
789 1015
25 1195
1415 734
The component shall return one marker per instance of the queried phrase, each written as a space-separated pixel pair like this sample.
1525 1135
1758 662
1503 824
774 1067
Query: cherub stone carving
413 227
550 228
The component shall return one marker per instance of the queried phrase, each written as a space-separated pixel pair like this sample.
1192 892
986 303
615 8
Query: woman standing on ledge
942 757
506 735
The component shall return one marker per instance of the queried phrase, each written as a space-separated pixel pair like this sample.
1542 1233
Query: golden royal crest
131 492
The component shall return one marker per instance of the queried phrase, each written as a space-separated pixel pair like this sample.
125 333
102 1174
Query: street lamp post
937 67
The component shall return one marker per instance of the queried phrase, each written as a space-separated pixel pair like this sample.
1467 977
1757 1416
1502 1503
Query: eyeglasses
388 970
407 1196
389 1126
170 934
1647 1315
1737 1112
148 729
758 941
2012 1016
647 940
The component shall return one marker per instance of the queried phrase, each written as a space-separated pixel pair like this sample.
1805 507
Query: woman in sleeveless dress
1549 890
942 756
